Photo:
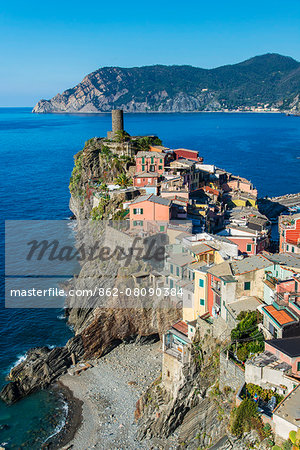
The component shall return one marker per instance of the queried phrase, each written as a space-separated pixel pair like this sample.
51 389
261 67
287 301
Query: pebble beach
106 396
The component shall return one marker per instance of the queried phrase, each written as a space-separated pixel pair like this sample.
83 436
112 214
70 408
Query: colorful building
147 180
279 321
289 233
250 241
287 350
236 183
148 209
149 161
188 154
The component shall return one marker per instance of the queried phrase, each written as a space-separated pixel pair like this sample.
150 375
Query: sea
36 162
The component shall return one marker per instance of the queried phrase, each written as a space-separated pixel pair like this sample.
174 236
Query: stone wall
230 373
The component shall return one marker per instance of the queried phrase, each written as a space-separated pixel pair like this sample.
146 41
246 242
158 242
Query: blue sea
36 162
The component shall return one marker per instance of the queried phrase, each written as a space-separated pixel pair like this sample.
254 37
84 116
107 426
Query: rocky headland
264 83
97 329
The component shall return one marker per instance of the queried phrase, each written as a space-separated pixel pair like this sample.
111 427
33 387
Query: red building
143 179
187 154
150 162
289 234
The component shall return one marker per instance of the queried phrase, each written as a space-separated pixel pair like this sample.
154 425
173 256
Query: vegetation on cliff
75 179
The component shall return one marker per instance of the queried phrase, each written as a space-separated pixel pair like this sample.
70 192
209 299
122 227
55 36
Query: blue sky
47 47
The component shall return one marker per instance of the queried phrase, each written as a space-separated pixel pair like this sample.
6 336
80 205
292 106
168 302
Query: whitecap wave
65 410
20 358
61 316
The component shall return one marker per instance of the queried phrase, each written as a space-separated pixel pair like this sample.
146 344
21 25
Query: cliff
193 408
270 79
100 328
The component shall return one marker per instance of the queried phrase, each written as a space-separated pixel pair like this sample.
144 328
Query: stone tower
117 123
117 120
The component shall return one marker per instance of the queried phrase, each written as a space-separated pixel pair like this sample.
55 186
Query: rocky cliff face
268 79
191 408
41 367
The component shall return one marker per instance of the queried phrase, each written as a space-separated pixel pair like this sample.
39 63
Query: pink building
143 179
147 209
148 161
250 242
287 293
287 350
239 184
289 234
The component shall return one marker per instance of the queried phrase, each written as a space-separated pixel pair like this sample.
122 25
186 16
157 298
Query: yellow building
199 306
244 200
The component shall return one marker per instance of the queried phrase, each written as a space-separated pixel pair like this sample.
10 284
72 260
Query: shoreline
102 400
287 113
73 420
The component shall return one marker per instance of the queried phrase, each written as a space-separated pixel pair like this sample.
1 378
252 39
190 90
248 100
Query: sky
47 47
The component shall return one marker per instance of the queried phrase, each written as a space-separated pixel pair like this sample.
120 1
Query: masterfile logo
92 264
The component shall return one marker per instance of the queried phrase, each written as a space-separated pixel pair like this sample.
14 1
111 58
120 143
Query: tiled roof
149 154
199 248
141 198
181 259
160 200
242 228
181 326
243 304
152 198
184 161
284 259
160 147
219 270
249 264
258 220
146 175
281 316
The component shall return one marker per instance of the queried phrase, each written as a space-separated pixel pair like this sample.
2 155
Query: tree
103 186
123 180
246 336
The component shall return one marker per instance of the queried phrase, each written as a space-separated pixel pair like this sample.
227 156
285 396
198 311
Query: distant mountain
264 82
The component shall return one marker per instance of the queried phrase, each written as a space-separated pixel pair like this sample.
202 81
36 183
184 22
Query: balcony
271 281
286 222
216 287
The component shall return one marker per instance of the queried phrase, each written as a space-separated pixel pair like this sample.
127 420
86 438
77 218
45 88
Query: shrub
76 174
241 417
264 394
242 353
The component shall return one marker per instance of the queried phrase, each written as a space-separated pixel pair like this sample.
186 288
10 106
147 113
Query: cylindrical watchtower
117 120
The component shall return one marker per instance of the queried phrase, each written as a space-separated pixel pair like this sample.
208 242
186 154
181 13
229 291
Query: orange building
289 234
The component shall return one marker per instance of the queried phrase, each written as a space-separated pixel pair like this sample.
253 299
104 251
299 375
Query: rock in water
40 368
